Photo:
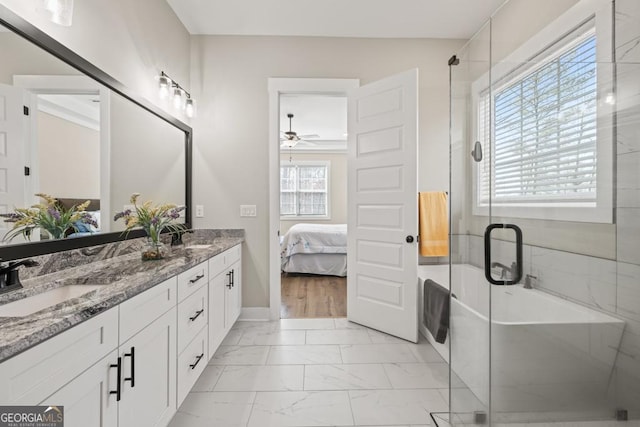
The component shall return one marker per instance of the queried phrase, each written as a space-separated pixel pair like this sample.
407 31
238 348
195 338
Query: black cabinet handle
198 313
409 239
132 378
233 277
198 277
193 366
229 283
118 390
517 274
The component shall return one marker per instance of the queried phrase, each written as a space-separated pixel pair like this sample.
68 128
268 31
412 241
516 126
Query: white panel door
12 162
382 278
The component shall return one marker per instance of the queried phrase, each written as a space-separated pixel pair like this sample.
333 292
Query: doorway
311 168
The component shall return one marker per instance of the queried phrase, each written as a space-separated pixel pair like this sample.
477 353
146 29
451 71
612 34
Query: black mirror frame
29 32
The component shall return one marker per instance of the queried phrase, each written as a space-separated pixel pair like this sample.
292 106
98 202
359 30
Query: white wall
229 77
69 158
130 40
337 187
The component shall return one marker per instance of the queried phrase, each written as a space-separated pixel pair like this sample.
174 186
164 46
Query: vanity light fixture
164 83
181 99
58 11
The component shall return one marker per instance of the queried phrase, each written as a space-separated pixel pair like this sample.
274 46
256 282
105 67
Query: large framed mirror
70 130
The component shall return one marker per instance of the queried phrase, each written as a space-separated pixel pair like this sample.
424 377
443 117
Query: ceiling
457 19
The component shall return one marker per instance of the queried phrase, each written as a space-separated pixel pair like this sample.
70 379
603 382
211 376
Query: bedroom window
546 148
304 190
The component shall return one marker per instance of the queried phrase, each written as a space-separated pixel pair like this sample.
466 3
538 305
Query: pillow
81 227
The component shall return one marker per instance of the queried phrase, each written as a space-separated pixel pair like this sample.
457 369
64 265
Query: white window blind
304 190
544 134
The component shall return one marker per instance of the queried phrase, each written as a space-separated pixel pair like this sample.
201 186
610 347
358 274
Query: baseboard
255 314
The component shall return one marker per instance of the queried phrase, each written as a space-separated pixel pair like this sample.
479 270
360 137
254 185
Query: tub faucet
507 272
527 281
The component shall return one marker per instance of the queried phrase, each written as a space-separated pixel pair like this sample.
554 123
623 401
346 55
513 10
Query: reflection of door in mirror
65 144
12 191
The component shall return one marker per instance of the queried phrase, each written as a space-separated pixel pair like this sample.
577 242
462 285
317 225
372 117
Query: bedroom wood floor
310 296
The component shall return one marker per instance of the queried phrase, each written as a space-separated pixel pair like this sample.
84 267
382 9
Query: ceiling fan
291 138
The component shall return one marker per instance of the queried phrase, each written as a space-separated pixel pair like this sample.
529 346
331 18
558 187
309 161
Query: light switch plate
199 211
248 210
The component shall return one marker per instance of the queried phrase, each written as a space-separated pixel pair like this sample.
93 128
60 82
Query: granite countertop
120 278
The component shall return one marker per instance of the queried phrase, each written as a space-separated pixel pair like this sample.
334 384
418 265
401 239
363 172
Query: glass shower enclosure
545 215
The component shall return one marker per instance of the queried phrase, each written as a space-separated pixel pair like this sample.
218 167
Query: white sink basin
29 305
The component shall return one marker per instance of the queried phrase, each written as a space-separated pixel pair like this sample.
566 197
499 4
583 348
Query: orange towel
434 223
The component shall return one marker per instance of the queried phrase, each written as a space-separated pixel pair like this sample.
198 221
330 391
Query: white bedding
315 249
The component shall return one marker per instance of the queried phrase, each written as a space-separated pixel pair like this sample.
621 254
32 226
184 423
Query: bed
315 249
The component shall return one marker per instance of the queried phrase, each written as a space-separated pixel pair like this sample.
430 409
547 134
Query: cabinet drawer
191 363
192 316
216 265
144 308
32 376
192 279
232 255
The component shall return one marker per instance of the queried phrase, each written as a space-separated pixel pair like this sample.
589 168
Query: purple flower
122 214
154 220
54 213
87 218
11 217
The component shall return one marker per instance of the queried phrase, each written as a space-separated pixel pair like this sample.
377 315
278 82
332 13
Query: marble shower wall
627 44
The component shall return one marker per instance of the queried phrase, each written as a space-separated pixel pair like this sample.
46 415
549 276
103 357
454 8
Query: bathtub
547 354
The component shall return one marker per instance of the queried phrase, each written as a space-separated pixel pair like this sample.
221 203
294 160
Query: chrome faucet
507 272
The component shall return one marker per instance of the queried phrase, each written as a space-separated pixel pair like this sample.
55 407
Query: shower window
304 190
544 147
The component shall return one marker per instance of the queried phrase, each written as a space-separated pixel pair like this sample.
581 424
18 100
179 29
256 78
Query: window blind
303 190
543 147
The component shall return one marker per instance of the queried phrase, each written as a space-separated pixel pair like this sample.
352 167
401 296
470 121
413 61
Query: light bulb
164 84
178 102
59 11
190 107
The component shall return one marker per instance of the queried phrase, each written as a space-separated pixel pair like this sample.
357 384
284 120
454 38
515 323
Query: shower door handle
517 274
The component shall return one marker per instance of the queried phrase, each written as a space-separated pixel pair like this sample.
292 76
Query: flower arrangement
153 220
48 215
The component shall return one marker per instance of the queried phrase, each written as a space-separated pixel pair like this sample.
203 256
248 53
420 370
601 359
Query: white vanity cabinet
193 312
134 364
225 294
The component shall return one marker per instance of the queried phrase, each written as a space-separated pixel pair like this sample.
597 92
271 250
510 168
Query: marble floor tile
261 378
345 377
214 409
240 355
233 337
379 407
378 337
425 353
277 337
251 325
418 375
378 353
307 324
343 323
302 409
304 355
339 336
208 378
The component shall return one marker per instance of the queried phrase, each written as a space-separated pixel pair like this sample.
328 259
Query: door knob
409 239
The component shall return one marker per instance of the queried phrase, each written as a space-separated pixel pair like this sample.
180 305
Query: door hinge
27 171
25 110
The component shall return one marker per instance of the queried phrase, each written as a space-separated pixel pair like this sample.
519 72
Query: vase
153 250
